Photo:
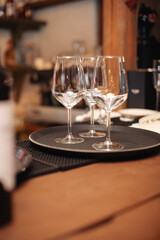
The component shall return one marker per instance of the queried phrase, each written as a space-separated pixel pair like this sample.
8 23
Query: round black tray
135 141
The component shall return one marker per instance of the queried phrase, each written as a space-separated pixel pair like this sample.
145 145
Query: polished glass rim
109 56
88 57
68 57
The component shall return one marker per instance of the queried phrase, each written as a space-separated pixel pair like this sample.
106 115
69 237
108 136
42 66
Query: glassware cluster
102 81
88 64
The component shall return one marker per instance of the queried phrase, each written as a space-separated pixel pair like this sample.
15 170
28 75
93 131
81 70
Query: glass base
107 146
92 134
69 139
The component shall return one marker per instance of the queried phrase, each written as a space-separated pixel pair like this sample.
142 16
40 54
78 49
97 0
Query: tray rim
93 151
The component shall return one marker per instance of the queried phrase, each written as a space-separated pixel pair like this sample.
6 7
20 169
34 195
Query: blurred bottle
148 47
20 9
7 161
29 54
28 10
9 55
10 9
19 54
2 8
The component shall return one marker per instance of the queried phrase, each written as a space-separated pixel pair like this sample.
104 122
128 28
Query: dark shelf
18 26
25 24
20 69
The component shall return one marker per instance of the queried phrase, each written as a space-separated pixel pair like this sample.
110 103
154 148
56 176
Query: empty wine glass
88 64
68 89
109 90
156 78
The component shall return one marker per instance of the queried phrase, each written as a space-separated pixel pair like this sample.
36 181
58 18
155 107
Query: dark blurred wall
148 46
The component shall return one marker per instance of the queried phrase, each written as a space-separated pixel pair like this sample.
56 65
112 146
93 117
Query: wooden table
111 200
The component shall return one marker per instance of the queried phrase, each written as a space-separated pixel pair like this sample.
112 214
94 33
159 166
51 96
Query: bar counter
106 200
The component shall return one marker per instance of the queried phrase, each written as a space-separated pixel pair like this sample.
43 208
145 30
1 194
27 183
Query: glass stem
92 119
157 100
69 122
108 124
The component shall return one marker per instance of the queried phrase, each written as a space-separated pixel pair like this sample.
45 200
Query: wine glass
68 89
156 78
109 90
88 64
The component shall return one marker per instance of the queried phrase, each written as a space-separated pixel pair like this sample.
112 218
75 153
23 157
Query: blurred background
33 33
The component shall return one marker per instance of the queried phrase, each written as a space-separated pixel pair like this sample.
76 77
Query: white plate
149 128
136 112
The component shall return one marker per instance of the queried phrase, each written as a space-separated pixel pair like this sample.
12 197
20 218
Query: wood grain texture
66 205
120 31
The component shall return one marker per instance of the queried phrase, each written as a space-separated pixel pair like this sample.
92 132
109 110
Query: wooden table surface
111 200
